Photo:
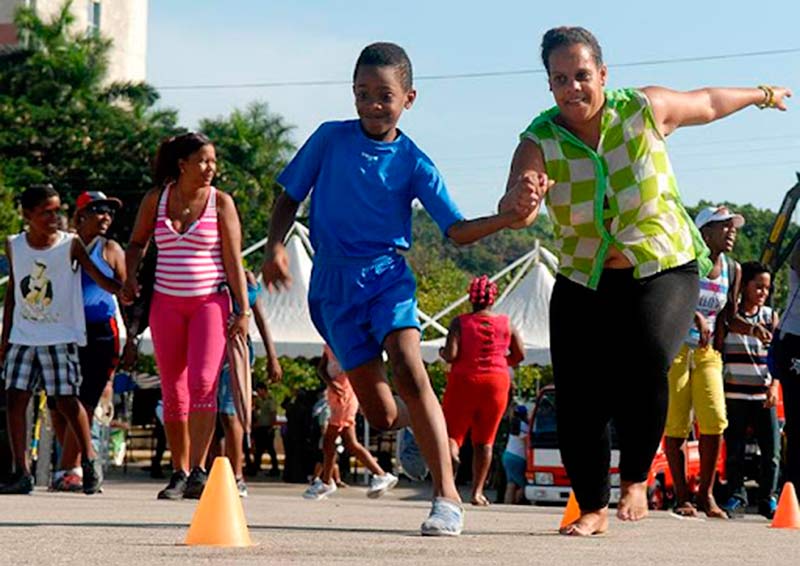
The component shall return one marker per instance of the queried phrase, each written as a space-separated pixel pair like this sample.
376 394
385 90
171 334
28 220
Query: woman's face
200 167
576 82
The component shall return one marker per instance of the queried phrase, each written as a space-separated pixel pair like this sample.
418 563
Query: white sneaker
445 520
318 490
378 485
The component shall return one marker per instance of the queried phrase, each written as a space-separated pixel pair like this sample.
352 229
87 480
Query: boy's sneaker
767 508
92 476
319 490
68 482
195 484
445 520
378 485
410 456
175 487
735 508
21 485
241 487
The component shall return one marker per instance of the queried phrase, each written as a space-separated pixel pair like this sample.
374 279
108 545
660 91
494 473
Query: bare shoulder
224 200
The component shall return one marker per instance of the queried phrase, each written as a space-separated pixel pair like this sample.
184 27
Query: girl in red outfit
480 346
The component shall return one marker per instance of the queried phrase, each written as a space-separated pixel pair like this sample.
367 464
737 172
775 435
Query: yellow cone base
572 513
219 518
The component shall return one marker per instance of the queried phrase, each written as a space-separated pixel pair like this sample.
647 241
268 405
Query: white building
122 21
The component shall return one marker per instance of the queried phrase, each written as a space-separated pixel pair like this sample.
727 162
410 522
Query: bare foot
710 507
589 523
633 501
479 500
685 509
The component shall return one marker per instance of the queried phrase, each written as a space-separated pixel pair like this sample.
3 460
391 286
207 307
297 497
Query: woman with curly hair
480 347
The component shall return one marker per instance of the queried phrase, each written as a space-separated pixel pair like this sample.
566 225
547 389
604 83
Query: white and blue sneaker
445 520
410 456
319 490
378 485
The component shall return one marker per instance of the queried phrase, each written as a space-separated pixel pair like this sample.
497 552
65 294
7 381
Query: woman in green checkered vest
629 260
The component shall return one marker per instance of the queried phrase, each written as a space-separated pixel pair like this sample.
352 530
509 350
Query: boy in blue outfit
365 174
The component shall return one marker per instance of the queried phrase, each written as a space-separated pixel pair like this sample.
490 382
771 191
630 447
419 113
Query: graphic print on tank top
37 293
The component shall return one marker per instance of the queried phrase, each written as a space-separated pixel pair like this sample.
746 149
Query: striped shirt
745 357
189 263
712 299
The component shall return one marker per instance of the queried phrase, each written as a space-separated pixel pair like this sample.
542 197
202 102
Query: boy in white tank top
43 325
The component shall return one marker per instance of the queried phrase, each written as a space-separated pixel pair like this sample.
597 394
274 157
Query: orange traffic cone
572 513
787 516
219 517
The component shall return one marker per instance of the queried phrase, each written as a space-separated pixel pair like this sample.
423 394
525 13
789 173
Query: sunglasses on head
102 208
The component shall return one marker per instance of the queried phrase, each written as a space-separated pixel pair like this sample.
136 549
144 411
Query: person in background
695 378
514 457
94 213
343 406
198 235
43 327
265 413
232 426
751 395
480 347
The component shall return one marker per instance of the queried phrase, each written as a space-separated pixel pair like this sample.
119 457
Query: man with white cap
695 378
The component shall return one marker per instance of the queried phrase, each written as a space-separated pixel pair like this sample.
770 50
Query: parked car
547 480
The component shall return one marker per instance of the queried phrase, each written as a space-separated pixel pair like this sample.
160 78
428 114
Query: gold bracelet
769 97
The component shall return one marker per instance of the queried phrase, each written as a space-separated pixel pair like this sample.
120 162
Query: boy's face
757 289
44 217
380 100
720 236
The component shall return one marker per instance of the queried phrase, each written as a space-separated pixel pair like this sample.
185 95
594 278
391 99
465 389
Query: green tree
61 123
253 146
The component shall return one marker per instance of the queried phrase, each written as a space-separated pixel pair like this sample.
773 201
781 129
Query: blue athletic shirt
363 190
98 304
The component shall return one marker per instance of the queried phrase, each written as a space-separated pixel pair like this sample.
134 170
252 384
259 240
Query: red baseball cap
96 197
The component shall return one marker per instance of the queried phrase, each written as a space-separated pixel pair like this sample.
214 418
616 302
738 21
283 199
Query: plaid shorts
57 366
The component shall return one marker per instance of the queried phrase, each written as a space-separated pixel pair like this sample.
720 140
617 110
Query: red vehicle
547 479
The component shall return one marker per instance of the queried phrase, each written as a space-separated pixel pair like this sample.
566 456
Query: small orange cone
787 516
219 517
572 513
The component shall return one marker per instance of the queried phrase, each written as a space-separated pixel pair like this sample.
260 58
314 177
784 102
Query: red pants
475 402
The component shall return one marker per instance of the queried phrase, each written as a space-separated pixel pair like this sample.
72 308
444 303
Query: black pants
786 366
264 439
611 350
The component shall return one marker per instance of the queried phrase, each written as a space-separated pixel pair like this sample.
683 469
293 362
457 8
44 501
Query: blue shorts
356 303
515 468
225 405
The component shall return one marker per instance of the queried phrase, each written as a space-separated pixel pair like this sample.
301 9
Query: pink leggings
189 342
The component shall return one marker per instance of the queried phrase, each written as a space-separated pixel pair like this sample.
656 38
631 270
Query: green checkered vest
623 194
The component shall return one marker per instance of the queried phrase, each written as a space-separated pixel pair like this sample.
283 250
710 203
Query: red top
483 345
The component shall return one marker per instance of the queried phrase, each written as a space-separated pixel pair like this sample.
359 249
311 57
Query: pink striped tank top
189 264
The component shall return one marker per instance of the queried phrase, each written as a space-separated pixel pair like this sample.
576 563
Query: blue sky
469 127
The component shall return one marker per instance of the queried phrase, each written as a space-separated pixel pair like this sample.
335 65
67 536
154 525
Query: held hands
525 196
764 335
275 271
130 291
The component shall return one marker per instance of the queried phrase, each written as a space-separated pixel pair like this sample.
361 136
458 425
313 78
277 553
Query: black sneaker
195 484
20 485
175 487
92 476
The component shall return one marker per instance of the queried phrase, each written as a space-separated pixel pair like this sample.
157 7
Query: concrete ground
126 525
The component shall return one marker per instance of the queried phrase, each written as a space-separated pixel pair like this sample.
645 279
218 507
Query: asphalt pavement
127 525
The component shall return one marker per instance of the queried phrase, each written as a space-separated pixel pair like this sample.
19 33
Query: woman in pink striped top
197 232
